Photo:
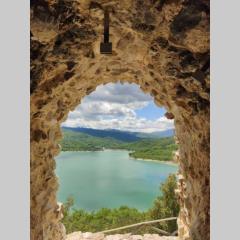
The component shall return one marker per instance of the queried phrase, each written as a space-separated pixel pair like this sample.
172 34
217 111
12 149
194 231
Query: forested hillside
146 148
77 141
157 149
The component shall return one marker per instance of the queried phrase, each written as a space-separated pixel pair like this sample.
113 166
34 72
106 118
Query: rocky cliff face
162 45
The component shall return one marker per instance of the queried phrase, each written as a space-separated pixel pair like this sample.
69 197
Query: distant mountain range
125 136
160 134
141 145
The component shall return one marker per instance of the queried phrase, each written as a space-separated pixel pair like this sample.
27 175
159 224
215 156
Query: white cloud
119 93
130 124
113 106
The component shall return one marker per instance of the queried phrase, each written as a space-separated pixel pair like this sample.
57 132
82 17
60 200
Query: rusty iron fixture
106 46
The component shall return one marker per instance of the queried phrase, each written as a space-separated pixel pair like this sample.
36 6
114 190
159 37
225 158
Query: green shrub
164 206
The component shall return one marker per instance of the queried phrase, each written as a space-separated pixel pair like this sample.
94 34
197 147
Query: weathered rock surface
100 236
159 45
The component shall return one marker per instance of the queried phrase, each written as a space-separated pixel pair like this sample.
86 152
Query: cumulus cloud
119 93
113 106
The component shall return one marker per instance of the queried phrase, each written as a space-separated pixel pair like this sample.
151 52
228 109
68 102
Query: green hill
157 149
107 133
125 136
146 148
78 141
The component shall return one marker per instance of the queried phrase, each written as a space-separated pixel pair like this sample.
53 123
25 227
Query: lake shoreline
132 158
153 160
109 179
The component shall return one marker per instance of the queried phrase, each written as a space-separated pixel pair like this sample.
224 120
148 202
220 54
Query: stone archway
159 45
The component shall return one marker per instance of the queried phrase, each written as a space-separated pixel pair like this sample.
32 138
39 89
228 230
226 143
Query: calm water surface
109 179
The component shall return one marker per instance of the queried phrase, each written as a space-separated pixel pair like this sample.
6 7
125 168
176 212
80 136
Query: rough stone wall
158 44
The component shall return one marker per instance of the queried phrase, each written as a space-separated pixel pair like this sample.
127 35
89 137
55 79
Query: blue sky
119 106
151 111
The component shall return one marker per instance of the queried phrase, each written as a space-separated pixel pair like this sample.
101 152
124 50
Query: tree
164 206
167 204
67 205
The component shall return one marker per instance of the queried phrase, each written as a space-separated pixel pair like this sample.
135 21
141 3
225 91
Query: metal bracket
106 46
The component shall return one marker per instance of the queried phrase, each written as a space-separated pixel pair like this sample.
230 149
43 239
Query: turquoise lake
109 179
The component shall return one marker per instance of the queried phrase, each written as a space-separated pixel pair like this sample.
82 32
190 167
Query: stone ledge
128 236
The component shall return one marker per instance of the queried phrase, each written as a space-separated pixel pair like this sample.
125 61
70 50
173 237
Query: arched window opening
118 163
